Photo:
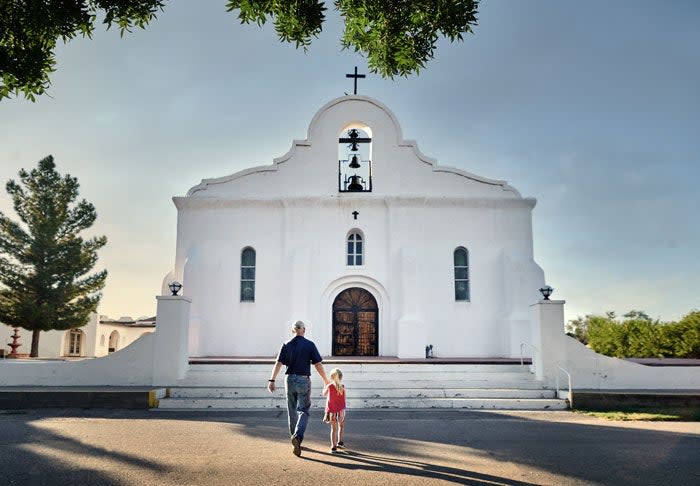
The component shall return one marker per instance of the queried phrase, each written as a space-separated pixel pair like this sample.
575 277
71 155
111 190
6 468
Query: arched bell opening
355 159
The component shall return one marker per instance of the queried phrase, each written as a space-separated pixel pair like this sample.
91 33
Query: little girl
335 408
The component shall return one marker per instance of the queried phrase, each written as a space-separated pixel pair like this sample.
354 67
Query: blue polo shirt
297 355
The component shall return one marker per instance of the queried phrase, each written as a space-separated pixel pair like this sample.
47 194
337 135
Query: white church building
378 248
387 256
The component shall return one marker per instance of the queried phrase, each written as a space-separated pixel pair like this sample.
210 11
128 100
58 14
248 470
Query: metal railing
570 396
534 350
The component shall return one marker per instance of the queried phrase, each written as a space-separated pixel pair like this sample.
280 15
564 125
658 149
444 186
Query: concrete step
370 385
369 367
110 397
371 376
370 403
365 393
468 381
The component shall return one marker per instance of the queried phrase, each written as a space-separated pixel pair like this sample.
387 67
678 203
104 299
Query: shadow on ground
28 455
412 445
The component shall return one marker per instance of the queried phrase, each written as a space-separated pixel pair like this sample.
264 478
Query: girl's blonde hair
336 376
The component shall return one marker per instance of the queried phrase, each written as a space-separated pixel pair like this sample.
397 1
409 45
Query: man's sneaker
341 445
334 450
297 446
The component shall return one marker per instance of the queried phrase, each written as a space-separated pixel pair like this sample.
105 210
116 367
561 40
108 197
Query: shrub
637 336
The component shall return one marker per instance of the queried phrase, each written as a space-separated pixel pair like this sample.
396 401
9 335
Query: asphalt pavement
102 447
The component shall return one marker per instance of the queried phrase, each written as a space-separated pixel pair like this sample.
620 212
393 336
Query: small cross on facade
355 76
354 214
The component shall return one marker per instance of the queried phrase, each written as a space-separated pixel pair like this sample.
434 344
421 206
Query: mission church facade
381 250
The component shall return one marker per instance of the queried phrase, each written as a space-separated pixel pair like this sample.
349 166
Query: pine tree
44 263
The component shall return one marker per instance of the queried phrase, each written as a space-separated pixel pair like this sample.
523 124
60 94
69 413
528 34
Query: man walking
297 354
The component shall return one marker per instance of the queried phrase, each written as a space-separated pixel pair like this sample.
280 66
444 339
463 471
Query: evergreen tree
44 263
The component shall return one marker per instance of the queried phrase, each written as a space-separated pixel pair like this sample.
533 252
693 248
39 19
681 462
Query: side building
99 337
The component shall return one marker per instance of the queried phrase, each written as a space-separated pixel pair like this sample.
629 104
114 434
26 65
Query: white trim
366 199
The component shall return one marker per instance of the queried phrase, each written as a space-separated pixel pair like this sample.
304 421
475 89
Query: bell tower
354 160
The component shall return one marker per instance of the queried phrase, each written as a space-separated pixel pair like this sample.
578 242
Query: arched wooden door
355 324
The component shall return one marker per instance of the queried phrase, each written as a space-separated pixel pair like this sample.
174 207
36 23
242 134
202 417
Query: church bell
355 183
355 169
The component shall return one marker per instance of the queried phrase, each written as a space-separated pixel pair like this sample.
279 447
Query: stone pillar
170 346
548 337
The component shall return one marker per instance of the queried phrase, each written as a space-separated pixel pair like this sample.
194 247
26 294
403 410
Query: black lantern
546 291
175 287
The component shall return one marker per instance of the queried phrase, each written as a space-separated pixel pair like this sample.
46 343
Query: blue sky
593 109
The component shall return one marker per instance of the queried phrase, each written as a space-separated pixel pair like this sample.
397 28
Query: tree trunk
35 344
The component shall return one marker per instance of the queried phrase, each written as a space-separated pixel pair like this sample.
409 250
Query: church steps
379 375
375 403
365 393
434 382
349 368
371 386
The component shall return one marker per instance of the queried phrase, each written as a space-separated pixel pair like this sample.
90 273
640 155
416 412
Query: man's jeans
298 403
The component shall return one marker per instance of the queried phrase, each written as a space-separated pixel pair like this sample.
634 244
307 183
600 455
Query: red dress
336 401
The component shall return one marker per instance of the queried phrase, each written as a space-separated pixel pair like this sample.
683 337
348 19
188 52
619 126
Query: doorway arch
355 323
113 342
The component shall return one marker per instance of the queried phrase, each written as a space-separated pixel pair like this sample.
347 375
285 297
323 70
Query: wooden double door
355 324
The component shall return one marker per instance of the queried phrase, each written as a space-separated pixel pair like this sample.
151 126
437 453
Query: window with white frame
248 275
75 342
461 274
355 249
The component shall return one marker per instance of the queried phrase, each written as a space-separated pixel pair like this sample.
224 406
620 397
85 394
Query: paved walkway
75 447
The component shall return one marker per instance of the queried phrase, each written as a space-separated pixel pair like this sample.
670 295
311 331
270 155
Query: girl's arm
325 389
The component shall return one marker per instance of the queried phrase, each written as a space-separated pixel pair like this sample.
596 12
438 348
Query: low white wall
155 359
132 365
590 370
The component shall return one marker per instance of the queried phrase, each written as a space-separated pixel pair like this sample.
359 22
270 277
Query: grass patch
691 414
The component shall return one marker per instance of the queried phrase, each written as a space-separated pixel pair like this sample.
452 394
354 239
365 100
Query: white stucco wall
153 359
558 354
292 214
130 366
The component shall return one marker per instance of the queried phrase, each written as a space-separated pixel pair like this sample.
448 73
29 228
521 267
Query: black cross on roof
355 76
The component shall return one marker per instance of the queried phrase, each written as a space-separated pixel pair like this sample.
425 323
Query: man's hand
322 373
271 381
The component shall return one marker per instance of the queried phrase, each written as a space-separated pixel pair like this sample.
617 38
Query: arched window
113 342
75 342
461 263
248 275
355 249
